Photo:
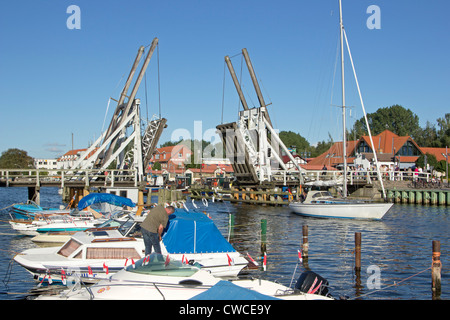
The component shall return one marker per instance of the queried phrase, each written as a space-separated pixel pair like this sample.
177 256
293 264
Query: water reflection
400 245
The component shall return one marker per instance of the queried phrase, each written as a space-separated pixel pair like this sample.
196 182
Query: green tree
431 160
15 159
396 118
290 138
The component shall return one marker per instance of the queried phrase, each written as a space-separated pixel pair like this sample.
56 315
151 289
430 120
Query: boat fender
311 282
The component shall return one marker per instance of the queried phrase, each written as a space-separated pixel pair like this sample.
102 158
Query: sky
55 82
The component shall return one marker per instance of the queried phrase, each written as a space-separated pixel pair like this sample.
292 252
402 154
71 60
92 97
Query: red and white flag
230 261
265 261
105 268
63 277
300 257
251 259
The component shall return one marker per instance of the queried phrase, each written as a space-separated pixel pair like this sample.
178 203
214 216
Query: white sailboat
320 205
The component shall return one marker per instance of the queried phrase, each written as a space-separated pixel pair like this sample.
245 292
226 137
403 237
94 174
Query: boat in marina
40 221
53 223
190 237
28 211
322 204
160 277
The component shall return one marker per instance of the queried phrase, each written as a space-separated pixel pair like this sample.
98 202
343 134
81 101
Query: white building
46 164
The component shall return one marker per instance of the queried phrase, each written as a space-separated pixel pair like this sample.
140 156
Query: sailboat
321 203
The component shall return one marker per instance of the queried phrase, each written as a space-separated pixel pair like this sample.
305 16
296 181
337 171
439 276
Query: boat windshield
162 265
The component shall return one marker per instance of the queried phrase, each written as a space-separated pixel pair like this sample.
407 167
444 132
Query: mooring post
263 235
436 269
357 251
305 245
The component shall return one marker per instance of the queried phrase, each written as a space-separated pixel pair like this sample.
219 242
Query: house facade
391 150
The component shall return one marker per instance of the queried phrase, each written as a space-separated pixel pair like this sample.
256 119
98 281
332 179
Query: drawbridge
129 141
252 144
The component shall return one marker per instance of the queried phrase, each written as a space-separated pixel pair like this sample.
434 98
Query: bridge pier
34 194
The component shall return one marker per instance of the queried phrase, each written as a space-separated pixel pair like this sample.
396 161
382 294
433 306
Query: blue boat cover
110 198
193 232
226 290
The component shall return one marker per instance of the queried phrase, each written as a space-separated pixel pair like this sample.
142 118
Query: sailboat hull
369 211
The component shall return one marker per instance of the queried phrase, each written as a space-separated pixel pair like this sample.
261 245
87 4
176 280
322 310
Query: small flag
40 283
167 261
264 262
90 274
251 259
300 258
230 261
50 281
63 277
105 268
146 260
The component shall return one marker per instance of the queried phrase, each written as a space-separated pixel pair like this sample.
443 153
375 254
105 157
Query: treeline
396 118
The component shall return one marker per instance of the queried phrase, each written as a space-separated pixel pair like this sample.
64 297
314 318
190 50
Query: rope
391 285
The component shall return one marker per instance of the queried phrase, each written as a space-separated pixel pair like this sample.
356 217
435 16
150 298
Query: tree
15 159
431 161
397 119
290 138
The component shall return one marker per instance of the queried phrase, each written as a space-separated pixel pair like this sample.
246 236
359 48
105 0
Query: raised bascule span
252 144
128 140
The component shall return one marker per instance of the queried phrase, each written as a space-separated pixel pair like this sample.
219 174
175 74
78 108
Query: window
363 147
408 149
69 248
112 253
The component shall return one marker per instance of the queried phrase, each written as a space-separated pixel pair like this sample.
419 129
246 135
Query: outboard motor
311 282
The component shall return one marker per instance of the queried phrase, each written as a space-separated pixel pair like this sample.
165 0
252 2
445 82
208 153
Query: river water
396 252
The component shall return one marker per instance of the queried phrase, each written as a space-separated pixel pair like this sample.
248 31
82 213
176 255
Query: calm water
400 245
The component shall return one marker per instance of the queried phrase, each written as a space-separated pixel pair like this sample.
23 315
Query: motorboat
78 219
90 254
160 277
28 210
53 223
322 204
97 253
119 219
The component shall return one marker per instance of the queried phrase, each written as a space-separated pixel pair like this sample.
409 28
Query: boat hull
369 211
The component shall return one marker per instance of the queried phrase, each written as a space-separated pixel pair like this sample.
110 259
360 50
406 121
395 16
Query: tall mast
344 143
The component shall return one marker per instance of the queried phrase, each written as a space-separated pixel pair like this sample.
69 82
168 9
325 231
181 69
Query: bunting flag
300 257
146 260
265 261
63 277
132 262
167 261
105 268
251 259
230 261
90 274
40 283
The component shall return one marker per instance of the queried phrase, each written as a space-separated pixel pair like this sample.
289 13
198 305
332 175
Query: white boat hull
371 211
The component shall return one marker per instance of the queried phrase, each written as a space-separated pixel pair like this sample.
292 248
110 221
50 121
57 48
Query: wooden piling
436 269
305 245
263 235
357 251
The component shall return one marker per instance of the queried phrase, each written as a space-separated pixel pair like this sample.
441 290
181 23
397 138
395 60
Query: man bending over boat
153 226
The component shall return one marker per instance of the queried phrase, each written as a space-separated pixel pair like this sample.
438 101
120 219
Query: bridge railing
63 176
366 176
